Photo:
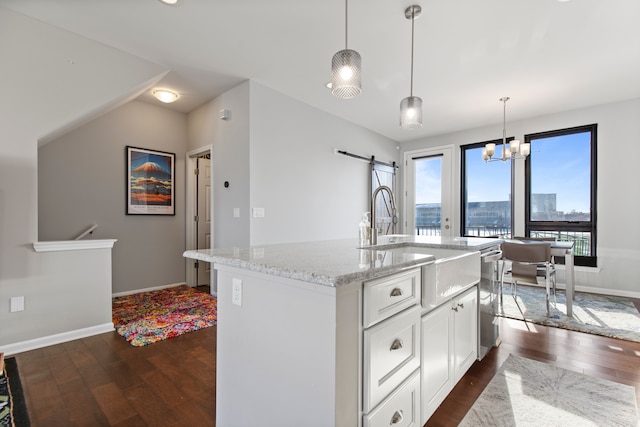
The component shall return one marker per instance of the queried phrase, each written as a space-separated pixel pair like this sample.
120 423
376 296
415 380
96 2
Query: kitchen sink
453 272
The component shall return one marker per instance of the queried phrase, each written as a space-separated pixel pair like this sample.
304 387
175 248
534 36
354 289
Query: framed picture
150 182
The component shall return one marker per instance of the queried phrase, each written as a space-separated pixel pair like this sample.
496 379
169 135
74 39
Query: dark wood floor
103 381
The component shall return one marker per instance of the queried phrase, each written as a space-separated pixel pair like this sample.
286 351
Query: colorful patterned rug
148 317
605 315
13 410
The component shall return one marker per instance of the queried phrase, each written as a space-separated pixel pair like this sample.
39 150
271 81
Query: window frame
463 182
569 226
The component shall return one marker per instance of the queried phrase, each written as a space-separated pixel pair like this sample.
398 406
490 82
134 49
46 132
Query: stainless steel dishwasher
488 297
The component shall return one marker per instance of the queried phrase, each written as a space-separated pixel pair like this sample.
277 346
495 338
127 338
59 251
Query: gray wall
618 201
230 160
82 180
277 154
308 192
41 94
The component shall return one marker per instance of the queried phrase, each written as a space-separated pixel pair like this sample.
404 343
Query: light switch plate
17 304
236 292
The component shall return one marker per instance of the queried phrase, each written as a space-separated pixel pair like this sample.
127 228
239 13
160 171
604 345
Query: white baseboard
155 288
33 344
607 291
592 290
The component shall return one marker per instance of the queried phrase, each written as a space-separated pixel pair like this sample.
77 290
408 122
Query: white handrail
87 231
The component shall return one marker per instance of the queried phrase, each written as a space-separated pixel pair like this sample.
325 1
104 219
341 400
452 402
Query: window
486 194
560 184
428 172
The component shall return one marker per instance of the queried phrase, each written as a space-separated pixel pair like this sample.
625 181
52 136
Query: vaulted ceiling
547 55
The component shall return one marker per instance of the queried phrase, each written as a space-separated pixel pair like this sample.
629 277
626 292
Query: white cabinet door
465 331
437 352
449 348
391 354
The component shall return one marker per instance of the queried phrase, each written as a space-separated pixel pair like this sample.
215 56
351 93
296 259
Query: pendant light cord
346 24
504 122
413 20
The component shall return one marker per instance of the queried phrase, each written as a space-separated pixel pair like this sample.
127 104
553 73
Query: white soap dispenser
364 229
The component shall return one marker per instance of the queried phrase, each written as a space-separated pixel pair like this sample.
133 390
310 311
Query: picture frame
150 182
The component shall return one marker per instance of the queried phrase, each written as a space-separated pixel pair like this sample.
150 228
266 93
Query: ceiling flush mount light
345 67
514 147
411 107
165 96
170 2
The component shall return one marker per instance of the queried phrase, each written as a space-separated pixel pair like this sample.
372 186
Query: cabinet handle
396 345
396 418
461 305
396 292
455 308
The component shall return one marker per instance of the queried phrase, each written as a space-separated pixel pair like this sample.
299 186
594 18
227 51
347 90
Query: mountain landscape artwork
150 183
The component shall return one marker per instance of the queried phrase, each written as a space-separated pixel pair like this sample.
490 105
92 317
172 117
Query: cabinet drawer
400 409
390 295
391 354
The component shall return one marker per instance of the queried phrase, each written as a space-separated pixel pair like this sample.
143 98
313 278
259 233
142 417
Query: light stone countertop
335 262
457 243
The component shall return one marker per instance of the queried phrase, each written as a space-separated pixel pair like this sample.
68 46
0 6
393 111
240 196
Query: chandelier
513 149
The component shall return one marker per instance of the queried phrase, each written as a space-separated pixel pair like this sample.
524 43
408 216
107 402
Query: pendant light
411 107
514 147
345 67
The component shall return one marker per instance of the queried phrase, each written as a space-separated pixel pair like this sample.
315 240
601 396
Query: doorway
199 215
428 201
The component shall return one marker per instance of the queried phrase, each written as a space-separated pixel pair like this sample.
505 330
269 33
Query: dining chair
537 239
528 261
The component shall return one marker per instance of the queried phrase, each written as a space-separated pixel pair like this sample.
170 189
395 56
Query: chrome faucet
374 228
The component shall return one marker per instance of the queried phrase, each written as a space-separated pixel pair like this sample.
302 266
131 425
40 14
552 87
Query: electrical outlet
236 292
258 212
17 304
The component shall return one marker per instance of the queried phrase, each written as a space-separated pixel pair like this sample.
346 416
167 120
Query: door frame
447 151
190 213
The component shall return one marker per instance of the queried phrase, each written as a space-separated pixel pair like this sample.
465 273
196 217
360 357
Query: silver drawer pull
396 292
397 418
396 345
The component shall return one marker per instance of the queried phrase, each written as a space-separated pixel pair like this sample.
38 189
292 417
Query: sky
559 165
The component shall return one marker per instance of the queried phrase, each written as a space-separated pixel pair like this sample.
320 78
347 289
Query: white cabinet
465 336
400 409
437 348
391 354
449 347
389 295
391 350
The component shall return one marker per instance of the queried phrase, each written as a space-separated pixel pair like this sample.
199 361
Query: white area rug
525 392
605 315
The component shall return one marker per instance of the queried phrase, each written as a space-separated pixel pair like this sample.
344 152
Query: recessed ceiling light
171 2
165 96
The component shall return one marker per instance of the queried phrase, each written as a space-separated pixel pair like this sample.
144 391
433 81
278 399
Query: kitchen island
320 333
